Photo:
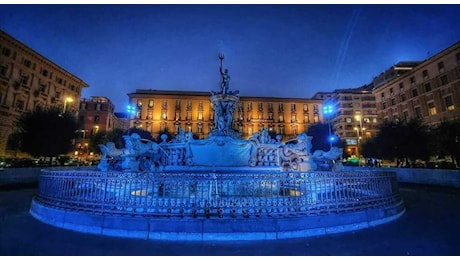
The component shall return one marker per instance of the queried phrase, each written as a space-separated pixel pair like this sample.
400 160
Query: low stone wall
11 176
450 178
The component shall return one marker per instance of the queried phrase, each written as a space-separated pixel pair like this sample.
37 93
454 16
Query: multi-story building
96 114
353 116
430 91
28 80
165 111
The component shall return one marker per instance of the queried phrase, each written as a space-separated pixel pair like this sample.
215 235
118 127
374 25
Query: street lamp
131 112
359 118
67 100
327 111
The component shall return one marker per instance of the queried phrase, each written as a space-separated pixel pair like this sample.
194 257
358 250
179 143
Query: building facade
28 80
160 111
430 91
353 117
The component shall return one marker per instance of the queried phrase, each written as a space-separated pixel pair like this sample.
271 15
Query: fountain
219 188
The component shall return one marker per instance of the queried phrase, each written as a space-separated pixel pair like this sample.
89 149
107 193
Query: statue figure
225 76
225 80
297 156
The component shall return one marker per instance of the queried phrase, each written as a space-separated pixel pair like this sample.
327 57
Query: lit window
431 109
449 103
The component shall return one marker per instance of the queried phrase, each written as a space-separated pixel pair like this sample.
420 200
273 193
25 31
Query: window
412 81
281 118
294 130
431 109
418 112
316 119
384 105
45 73
98 106
348 120
270 107
391 91
403 97
382 95
406 115
282 129
139 102
200 115
306 119
164 115
149 115
6 52
96 119
3 70
200 106
393 101
260 107
151 103
427 87
292 107
59 80
200 128
165 104
444 80
83 106
449 103
293 118
178 104
24 80
401 87
20 104
441 67
458 58
280 107
425 74
57 95
305 108
249 106
189 115
414 92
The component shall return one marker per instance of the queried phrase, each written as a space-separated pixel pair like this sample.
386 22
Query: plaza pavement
430 226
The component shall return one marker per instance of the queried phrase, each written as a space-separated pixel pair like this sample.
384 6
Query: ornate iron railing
218 194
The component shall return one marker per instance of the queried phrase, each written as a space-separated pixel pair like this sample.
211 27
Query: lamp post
327 111
67 100
131 112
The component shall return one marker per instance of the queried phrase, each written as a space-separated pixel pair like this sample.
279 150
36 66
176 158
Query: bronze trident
221 57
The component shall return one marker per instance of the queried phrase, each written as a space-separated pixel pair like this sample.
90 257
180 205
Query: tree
14 142
320 140
446 138
46 131
404 140
103 137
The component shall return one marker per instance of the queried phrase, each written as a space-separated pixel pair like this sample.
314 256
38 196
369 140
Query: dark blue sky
270 50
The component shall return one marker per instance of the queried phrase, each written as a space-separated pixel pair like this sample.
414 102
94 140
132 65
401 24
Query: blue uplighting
327 109
131 109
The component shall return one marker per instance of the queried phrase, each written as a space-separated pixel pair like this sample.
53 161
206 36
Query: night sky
270 50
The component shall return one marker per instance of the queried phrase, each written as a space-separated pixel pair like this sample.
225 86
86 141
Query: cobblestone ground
430 226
